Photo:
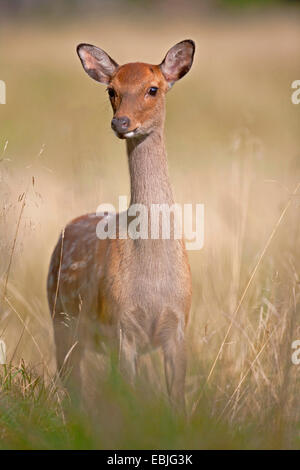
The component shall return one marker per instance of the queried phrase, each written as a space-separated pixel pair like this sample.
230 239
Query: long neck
148 167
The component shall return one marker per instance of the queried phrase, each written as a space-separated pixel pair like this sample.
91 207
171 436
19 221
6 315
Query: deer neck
150 184
148 167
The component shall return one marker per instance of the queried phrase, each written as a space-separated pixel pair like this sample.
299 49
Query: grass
32 418
233 144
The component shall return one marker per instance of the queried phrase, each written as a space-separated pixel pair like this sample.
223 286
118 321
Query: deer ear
96 63
178 61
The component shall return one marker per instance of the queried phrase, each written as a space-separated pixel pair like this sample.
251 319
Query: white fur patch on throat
129 134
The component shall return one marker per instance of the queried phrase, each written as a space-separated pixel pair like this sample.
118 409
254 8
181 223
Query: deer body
134 293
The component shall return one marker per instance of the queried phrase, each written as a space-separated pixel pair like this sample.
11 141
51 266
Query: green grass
32 417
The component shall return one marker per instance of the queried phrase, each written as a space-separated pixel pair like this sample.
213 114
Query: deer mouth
130 134
127 134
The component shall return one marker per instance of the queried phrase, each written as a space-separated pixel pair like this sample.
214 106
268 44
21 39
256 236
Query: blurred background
233 139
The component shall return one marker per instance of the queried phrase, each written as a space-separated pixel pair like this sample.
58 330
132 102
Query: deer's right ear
99 65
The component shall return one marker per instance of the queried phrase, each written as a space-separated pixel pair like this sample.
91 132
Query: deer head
137 90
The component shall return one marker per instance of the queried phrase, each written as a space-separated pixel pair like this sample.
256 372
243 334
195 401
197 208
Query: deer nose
120 124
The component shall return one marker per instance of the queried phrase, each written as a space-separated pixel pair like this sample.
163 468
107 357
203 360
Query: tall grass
233 144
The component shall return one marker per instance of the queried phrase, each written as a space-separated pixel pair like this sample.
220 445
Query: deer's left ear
178 61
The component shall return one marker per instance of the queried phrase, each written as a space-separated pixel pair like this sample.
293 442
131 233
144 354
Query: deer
135 294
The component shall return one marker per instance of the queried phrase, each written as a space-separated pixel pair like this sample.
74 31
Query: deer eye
111 92
152 91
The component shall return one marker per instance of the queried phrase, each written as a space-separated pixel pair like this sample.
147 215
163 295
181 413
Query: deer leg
127 358
68 349
175 371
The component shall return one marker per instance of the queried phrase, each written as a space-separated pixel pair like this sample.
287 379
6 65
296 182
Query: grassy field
233 144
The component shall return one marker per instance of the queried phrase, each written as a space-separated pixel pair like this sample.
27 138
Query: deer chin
130 134
127 135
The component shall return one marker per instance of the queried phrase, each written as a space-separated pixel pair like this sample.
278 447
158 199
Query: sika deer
134 292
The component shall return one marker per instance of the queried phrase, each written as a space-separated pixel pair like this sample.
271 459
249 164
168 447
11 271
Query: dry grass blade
67 357
59 271
24 195
40 352
237 389
269 240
